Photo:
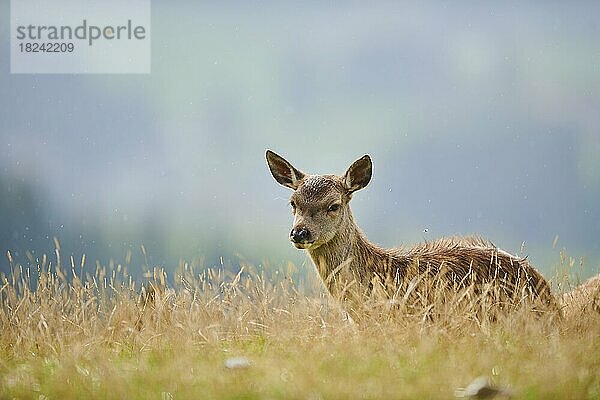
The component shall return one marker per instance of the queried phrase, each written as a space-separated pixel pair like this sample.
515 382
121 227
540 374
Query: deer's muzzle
301 237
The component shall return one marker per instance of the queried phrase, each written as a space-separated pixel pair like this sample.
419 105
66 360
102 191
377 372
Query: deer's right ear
283 171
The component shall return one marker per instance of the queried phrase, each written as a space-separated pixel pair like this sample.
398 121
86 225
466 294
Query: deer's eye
334 207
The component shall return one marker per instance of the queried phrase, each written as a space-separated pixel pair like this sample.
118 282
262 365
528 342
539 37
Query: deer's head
320 203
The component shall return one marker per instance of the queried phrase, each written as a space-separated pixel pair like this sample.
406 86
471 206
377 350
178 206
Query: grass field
261 335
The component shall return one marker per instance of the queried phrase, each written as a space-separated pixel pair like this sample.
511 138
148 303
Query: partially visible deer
582 300
352 267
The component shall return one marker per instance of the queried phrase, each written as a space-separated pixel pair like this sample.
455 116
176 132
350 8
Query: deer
583 300
352 268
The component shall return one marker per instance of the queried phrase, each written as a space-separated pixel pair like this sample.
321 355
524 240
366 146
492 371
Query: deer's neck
351 254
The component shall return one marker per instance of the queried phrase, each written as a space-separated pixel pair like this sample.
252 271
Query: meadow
75 330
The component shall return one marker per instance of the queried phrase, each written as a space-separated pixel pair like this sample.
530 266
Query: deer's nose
300 235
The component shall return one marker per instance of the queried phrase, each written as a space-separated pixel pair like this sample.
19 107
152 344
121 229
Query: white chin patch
301 245
305 246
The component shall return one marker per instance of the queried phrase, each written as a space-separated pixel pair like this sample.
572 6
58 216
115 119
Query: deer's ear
359 174
283 171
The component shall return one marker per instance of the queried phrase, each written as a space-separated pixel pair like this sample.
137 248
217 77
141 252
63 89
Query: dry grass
97 335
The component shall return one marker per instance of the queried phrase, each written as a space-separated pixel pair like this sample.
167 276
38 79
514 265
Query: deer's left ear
359 174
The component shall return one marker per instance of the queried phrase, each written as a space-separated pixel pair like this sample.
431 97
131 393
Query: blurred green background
480 118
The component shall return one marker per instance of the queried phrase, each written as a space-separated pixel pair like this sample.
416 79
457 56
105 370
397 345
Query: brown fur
350 265
583 299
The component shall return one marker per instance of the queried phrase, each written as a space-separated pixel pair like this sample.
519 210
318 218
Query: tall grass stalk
80 332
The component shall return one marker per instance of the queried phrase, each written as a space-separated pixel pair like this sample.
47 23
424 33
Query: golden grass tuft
101 335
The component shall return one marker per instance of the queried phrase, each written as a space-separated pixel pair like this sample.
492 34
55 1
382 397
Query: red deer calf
352 267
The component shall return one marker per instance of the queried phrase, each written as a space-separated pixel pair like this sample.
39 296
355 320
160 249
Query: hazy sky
479 118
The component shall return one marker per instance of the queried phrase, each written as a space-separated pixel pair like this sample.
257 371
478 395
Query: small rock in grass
482 388
237 363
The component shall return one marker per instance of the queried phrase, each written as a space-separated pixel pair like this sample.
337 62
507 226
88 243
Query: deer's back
462 261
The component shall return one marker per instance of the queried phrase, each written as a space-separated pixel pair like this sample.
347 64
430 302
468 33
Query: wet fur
457 262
